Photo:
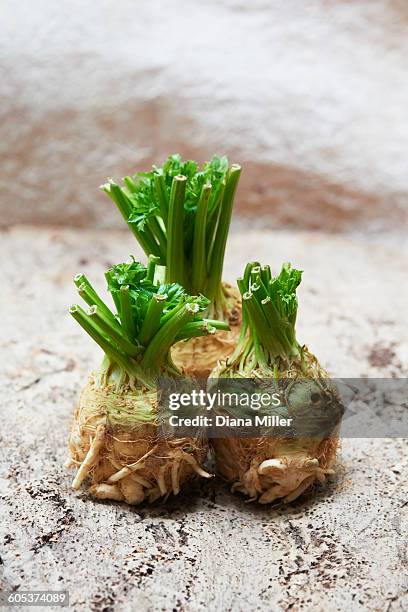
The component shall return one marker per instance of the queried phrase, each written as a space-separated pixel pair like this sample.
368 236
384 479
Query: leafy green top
269 316
150 317
181 214
145 198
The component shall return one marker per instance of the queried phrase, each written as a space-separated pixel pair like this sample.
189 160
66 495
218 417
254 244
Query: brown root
91 457
175 481
198 356
271 468
129 461
268 469
132 491
105 491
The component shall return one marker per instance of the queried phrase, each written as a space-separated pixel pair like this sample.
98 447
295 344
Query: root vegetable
198 356
114 439
271 468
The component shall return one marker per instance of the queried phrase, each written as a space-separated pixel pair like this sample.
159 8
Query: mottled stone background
341 547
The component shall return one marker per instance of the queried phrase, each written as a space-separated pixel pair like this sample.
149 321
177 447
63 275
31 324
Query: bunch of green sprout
149 319
181 214
268 338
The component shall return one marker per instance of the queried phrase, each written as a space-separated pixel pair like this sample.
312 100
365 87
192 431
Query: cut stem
126 315
130 184
198 332
195 326
89 295
151 322
157 350
124 205
151 267
175 271
213 216
259 323
96 334
161 193
201 328
116 336
160 236
199 264
220 240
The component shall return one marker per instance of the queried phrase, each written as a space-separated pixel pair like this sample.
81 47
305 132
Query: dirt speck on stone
381 356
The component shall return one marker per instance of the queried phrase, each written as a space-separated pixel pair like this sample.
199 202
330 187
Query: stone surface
342 547
311 99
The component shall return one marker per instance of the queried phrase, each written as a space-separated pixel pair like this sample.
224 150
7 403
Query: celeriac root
128 461
264 470
270 468
198 356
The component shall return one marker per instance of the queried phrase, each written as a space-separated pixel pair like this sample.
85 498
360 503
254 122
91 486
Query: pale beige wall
311 96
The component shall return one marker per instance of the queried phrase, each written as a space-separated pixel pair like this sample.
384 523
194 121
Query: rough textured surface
311 98
342 548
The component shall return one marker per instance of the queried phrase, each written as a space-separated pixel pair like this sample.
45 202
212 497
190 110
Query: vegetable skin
115 445
198 356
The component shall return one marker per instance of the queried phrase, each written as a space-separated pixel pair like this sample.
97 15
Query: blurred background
311 97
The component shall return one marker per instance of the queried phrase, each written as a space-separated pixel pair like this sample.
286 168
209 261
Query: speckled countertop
342 547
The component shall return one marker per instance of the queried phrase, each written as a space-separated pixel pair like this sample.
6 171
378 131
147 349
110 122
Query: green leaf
144 202
149 318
